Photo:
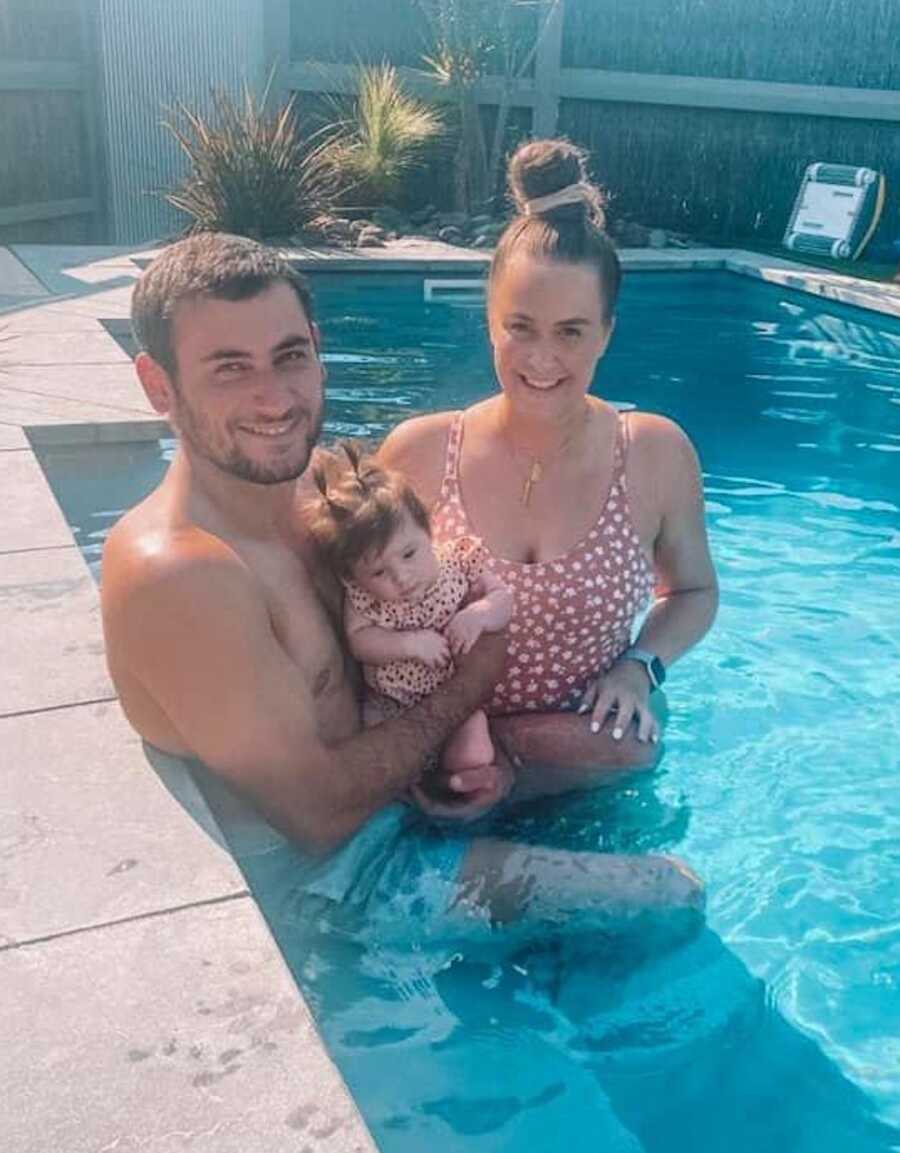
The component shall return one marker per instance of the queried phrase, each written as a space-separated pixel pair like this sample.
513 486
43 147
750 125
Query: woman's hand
622 694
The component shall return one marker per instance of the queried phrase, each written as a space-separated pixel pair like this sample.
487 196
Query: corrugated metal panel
157 52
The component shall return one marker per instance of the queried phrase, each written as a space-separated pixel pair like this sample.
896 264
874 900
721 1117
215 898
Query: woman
585 511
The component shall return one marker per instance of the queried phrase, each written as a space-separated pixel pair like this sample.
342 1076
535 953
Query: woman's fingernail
582 710
617 734
655 738
595 726
456 783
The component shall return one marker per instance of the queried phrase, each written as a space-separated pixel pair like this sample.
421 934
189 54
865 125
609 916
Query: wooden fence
698 116
50 161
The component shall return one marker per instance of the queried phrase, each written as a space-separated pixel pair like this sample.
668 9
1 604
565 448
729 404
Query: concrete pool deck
145 1004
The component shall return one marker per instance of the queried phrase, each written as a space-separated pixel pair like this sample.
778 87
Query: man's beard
223 450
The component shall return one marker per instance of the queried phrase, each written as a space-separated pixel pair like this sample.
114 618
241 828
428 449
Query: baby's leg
470 746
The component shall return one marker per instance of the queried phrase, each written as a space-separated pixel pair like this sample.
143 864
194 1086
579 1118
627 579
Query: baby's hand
430 648
463 631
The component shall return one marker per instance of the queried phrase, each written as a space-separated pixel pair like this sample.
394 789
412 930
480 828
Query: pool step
453 288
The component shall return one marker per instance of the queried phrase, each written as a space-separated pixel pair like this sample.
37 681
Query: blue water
777 1027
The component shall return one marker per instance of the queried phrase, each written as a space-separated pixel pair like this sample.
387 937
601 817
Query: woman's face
547 329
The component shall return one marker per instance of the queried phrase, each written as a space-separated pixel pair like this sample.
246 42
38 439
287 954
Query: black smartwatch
656 670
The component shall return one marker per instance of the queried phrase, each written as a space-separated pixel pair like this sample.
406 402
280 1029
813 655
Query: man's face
248 390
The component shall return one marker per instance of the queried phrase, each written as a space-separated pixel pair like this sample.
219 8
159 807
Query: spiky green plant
381 136
470 40
251 172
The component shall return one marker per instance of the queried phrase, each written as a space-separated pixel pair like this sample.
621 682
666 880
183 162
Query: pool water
777 1026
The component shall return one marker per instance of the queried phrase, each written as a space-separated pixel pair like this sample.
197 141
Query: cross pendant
534 476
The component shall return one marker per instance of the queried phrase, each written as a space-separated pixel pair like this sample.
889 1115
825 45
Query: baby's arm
489 612
372 645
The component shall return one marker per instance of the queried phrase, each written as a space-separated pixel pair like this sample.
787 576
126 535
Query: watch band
656 670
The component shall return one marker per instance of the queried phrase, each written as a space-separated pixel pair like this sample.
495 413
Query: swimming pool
778 1025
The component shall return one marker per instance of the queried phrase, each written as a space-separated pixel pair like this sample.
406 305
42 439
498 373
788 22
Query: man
221 628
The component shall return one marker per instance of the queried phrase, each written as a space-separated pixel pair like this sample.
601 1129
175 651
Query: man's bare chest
304 617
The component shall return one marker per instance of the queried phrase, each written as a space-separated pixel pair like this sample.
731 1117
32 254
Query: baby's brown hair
359 508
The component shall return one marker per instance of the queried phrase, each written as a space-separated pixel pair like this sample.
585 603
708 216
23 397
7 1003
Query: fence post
547 68
94 118
277 48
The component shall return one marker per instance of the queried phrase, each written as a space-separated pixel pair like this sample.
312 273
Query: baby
410 607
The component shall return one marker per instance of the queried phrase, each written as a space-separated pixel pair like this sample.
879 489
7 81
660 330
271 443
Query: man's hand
464 795
481 667
429 647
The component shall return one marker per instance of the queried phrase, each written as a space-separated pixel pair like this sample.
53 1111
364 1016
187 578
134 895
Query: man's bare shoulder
148 553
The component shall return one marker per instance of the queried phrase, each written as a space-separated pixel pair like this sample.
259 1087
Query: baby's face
404 568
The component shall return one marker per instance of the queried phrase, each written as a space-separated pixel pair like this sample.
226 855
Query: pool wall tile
109 432
168 1033
90 833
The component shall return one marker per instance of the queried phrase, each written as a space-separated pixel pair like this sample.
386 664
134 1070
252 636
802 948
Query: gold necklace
535 476
536 469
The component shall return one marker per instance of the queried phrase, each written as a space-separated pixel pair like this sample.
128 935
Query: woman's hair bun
541 168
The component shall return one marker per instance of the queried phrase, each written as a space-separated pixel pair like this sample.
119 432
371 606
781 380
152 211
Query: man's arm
198 637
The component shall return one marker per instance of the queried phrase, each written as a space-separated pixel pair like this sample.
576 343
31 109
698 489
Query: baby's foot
470 746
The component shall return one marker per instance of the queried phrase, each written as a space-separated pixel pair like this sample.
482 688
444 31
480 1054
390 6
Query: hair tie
571 194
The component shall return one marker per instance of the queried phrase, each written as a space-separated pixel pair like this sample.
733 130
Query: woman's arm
687 592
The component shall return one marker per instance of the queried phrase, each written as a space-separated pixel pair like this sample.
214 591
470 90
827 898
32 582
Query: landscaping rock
371 236
657 238
483 241
451 235
390 219
631 235
423 215
482 221
453 220
338 230
493 229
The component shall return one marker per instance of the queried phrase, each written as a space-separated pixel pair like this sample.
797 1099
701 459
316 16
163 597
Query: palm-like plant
380 137
470 40
251 172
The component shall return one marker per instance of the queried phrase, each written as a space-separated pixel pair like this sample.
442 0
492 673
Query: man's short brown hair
212 264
